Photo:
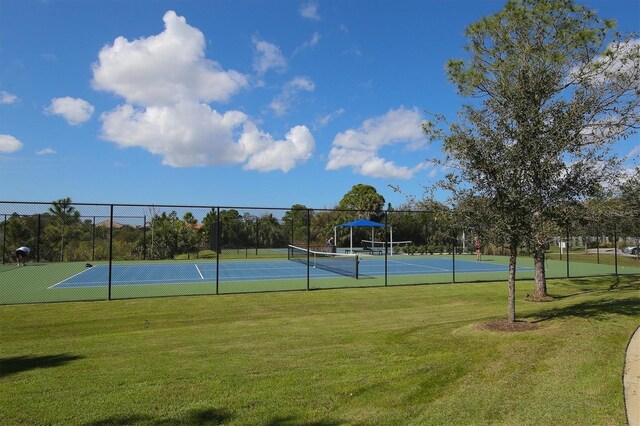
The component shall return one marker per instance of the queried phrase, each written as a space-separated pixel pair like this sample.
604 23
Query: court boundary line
73 276
198 269
176 281
418 265
426 269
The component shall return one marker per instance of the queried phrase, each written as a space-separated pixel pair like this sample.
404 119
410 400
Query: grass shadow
13 365
292 421
594 285
208 416
592 309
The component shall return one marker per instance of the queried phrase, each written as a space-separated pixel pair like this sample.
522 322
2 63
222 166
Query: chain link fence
112 251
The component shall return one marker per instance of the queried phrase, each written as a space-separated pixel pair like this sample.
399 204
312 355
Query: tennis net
391 247
339 263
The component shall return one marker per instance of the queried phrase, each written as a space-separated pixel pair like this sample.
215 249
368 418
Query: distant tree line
62 233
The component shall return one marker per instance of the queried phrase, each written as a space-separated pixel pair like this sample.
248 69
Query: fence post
568 247
308 248
38 238
218 248
93 240
110 249
257 234
144 237
293 220
615 247
386 247
454 239
4 239
598 245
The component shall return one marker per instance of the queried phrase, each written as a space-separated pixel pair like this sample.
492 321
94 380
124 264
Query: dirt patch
530 298
506 326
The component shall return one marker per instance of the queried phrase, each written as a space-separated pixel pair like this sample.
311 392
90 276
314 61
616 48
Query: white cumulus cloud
164 69
167 84
265 154
74 110
359 148
9 144
192 134
186 134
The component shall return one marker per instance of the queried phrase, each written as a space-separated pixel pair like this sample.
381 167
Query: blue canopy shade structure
361 223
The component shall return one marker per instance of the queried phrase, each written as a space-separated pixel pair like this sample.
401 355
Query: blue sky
233 103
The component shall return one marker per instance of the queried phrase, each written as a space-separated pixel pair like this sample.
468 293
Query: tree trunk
511 308
540 292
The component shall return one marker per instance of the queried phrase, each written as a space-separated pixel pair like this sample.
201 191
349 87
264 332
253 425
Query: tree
271 233
209 224
234 232
18 232
171 236
189 219
629 207
189 233
322 228
64 214
297 223
552 92
365 199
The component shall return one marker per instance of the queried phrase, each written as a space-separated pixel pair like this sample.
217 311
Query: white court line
200 273
421 266
67 279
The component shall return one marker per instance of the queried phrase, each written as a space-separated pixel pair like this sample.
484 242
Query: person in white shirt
22 254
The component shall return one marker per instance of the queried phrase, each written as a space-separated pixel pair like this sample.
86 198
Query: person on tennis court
22 254
330 244
478 246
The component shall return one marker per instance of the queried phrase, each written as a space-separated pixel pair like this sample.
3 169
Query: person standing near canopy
331 245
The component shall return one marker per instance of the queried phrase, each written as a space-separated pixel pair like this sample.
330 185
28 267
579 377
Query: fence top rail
81 216
212 207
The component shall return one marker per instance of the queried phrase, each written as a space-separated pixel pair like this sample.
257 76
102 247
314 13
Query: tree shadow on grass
292 421
594 285
18 364
592 309
208 416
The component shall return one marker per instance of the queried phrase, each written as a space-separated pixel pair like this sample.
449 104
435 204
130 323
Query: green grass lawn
378 356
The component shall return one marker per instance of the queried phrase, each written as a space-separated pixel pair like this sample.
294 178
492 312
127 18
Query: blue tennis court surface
234 271
409 265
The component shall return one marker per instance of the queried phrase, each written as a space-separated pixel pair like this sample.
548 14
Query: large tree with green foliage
365 199
552 91
296 221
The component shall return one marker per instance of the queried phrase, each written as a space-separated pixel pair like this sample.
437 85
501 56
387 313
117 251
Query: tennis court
235 271
67 281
